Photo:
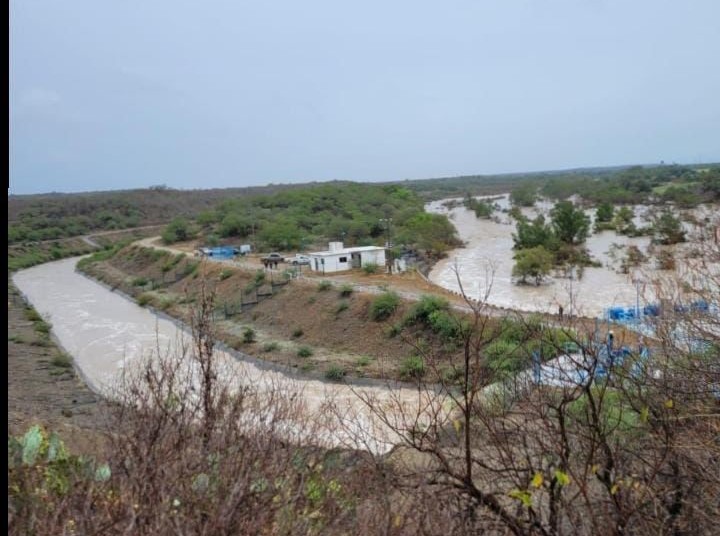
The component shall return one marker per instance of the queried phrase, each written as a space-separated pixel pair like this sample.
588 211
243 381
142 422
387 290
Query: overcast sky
109 94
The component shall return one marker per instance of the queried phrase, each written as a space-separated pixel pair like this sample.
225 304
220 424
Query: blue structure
221 252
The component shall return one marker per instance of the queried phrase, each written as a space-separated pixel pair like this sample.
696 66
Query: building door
356 260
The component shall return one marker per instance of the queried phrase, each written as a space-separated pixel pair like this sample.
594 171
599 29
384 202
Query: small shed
339 258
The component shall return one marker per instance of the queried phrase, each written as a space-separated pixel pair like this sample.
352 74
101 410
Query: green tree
524 195
604 212
177 231
235 225
603 217
281 234
534 262
571 224
533 233
431 232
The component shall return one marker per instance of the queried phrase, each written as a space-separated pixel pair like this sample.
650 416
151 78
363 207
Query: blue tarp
221 252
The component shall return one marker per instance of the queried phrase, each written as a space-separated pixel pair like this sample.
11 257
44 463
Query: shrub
514 330
445 325
304 351
499 349
61 360
412 367
426 305
144 299
393 331
43 340
190 268
342 306
297 333
506 357
384 305
32 315
177 231
270 346
225 274
324 285
334 373
346 291
370 268
257 281
248 335
166 302
42 327
364 360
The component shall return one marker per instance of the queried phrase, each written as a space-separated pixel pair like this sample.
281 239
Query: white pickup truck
299 260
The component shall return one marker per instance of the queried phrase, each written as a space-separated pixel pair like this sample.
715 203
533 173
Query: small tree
177 230
603 217
571 224
534 262
533 233
604 212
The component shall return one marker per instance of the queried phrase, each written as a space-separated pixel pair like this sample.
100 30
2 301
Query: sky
222 93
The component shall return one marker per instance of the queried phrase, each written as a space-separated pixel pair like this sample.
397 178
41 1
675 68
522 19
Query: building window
343 259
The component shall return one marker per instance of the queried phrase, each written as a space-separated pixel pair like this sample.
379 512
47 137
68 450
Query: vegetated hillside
317 326
622 184
25 255
685 186
54 215
356 214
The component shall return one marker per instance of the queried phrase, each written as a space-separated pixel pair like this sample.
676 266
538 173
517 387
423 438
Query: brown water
486 263
106 333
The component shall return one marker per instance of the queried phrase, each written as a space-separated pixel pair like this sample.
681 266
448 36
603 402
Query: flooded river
107 333
488 258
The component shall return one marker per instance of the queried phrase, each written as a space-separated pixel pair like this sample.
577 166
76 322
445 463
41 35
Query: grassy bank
325 329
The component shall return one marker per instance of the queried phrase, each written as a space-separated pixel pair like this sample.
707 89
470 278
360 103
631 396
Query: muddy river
485 267
107 333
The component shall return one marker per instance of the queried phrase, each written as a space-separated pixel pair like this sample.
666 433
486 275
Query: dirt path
43 387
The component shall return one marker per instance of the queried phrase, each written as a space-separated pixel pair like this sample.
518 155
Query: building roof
345 251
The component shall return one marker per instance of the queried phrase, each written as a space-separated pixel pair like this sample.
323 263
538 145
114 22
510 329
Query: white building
338 258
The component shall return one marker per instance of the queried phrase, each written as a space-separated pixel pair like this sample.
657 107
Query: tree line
356 214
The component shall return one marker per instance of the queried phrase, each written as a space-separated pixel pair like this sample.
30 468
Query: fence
251 297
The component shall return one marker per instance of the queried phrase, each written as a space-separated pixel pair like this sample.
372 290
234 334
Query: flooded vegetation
485 264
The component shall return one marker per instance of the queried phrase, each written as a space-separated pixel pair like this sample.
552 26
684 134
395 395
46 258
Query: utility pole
387 222
388 243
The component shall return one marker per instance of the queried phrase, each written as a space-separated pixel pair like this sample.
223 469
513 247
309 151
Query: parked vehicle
299 260
272 259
